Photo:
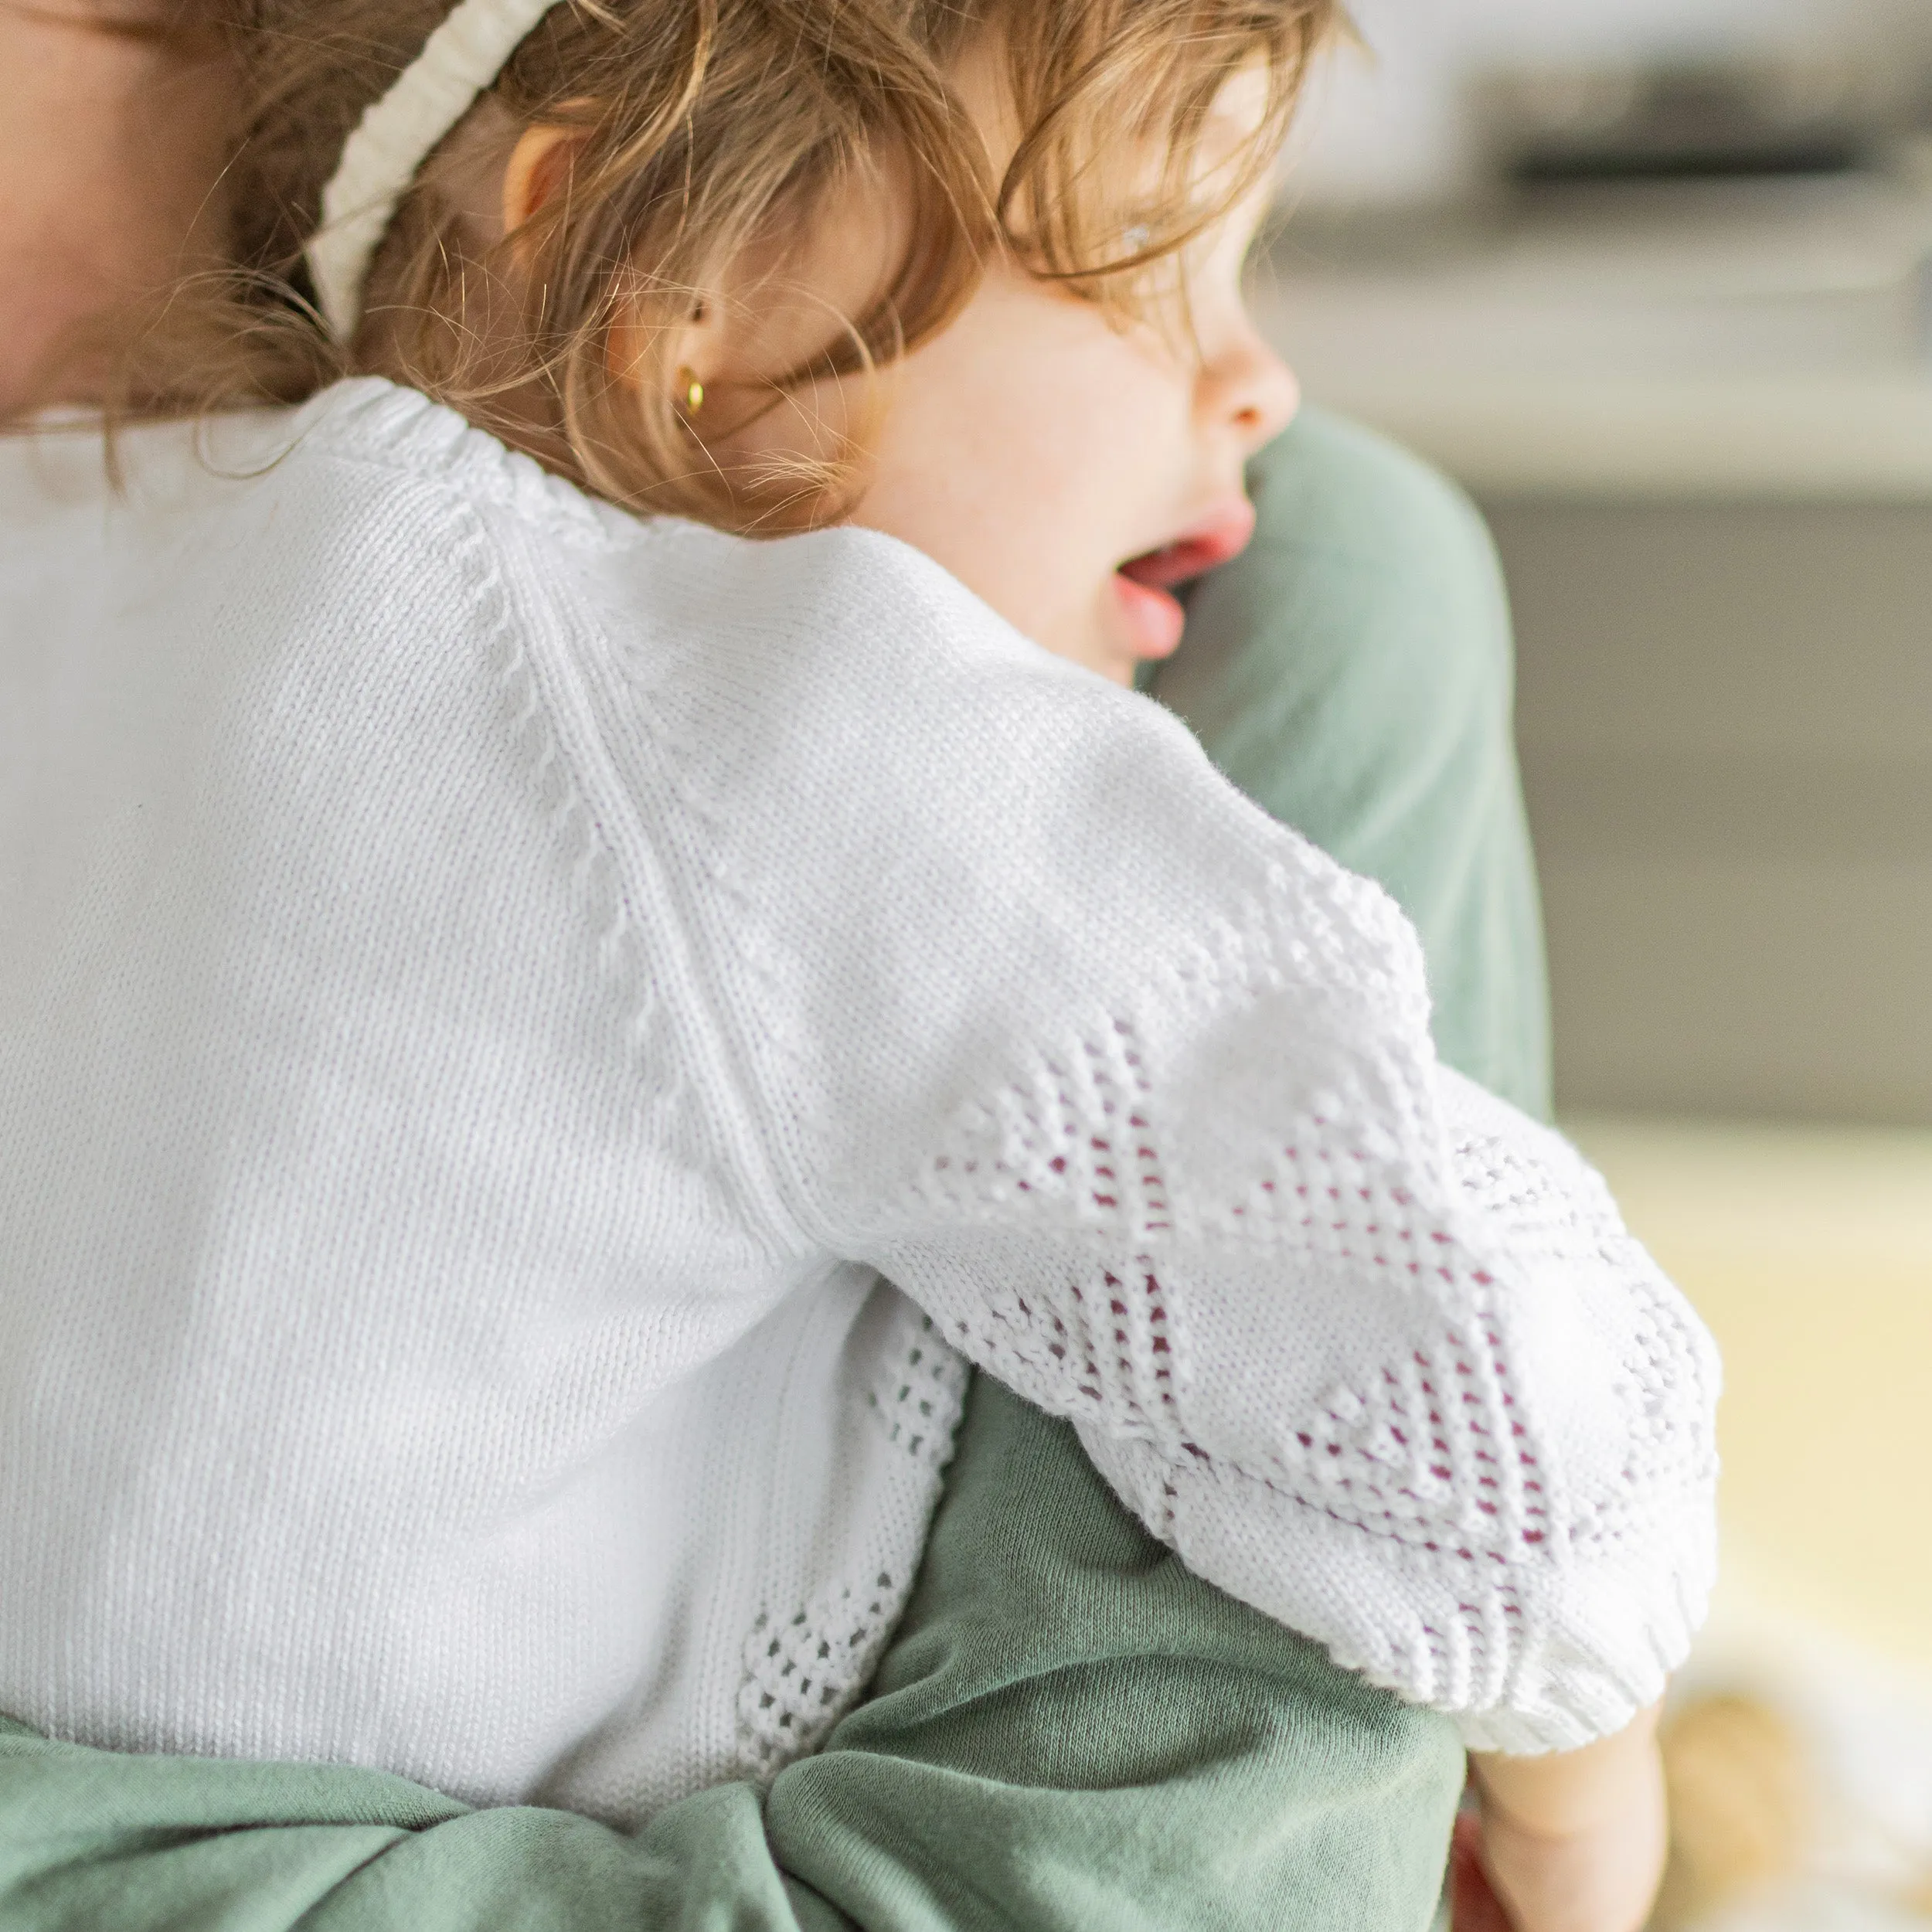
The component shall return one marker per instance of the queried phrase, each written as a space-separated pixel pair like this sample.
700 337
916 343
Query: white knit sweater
484 981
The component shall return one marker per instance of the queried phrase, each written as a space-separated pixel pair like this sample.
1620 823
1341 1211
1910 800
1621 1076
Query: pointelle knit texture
493 991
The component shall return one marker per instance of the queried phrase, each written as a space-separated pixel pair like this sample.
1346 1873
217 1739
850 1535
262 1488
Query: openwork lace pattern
806 1667
1104 1344
1665 1385
803 1672
1435 1446
917 1401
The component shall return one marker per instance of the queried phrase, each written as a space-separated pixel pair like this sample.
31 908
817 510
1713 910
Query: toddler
495 981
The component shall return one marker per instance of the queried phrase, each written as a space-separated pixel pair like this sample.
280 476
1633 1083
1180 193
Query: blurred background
1653 279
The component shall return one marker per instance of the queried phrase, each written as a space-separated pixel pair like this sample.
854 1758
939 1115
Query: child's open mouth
1145 584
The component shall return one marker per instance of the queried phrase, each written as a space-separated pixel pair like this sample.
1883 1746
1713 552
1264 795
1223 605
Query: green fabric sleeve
91 1839
1353 673
1073 1730
1070 1734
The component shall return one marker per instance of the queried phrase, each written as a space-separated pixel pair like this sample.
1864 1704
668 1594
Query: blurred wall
1723 709
1391 126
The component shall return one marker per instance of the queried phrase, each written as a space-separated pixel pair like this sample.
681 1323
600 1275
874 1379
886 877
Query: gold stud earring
693 391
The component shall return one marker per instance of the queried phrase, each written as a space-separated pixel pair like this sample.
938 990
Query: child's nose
1250 389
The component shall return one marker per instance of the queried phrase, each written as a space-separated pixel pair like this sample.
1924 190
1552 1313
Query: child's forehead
1241 104
1222 141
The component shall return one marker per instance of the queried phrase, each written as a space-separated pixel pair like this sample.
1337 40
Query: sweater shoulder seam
594 850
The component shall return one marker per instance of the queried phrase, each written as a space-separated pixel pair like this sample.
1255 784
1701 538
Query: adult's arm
1070 1731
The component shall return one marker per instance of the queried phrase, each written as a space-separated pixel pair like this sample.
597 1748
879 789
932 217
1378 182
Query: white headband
393 139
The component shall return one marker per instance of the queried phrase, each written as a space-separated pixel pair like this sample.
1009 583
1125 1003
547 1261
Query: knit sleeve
1133 1091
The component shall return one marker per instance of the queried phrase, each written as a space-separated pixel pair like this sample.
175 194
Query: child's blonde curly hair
702 130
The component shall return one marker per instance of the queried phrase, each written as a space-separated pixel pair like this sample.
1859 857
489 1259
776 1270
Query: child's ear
538 171
695 353
538 168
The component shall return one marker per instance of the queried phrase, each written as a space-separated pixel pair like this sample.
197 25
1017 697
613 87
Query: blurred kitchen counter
1750 338
1723 437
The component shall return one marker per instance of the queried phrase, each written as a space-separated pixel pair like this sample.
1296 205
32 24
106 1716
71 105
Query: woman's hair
704 133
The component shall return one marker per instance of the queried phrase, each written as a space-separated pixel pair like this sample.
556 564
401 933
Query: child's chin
1106 656
1095 645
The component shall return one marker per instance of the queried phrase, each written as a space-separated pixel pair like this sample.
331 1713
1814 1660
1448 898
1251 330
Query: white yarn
486 979
394 138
